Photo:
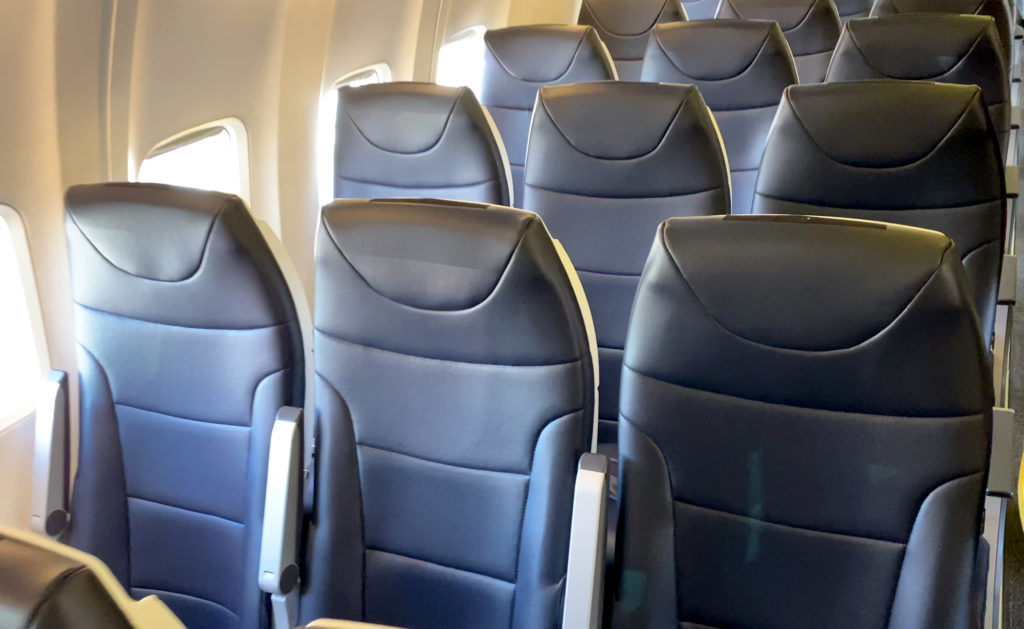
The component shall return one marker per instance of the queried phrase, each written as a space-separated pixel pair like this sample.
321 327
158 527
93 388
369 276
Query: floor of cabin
1013 583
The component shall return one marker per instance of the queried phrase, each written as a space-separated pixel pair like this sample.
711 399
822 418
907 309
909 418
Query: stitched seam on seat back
943 74
630 198
181 508
202 259
437 142
657 17
175 325
723 327
568 68
753 60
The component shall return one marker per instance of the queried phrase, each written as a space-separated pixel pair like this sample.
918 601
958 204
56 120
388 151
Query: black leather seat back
40 589
811 28
518 61
455 394
188 344
418 140
911 152
929 46
805 427
741 68
997 9
625 26
607 162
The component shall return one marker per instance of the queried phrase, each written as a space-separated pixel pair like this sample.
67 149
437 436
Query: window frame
236 131
14 225
471 32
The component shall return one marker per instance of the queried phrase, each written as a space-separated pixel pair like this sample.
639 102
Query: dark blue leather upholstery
849 9
936 47
939 168
805 427
417 140
741 68
607 163
811 27
188 345
454 396
997 9
519 61
625 26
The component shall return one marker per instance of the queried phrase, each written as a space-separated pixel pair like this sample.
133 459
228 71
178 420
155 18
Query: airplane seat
997 9
188 344
518 61
455 396
849 9
910 152
418 140
805 425
741 68
606 164
811 27
936 47
625 26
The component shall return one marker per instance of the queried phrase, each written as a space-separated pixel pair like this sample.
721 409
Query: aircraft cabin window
24 353
213 157
328 123
461 60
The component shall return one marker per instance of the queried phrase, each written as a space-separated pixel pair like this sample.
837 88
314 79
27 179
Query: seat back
188 344
849 9
418 140
607 163
997 9
455 395
805 427
936 47
626 25
811 28
518 61
938 167
741 68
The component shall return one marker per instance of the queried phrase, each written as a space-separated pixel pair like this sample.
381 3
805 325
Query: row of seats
811 27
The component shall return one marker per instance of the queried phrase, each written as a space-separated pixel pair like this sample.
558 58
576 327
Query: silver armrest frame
584 580
49 506
279 569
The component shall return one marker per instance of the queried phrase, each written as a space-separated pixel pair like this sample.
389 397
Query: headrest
805 298
627 18
438 278
421 138
548 53
998 9
927 46
624 140
172 255
736 64
811 26
853 8
865 161
40 589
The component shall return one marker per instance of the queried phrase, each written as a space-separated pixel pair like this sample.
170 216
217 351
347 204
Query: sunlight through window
461 60
209 162
19 359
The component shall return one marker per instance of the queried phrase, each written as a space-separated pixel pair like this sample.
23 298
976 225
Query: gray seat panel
519 61
940 169
783 463
626 25
930 47
811 27
454 396
741 68
417 140
602 186
188 345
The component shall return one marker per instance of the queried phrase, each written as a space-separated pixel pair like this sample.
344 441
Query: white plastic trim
344 624
149 613
279 570
584 580
49 513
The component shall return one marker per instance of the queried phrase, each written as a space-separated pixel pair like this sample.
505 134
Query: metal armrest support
279 570
50 466
584 581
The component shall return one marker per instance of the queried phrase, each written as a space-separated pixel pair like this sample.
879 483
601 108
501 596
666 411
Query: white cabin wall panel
543 12
463 14
364 33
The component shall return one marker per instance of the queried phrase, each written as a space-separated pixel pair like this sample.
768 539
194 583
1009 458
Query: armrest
1002 470
279 569
584 580
50 466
